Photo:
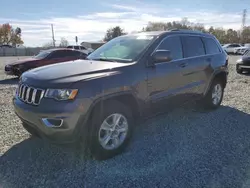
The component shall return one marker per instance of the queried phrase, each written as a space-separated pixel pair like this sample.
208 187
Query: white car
229 48
81 48
242 50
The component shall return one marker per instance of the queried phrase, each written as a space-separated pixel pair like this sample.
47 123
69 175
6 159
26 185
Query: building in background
93 45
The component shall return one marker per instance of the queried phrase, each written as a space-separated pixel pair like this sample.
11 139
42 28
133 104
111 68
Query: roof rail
187 30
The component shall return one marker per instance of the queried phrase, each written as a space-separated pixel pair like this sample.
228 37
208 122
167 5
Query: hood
72 71
245 58
21 61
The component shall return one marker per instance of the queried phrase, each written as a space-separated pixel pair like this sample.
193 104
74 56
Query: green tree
10 35
245 35
183 24
113 33
232 36
219 33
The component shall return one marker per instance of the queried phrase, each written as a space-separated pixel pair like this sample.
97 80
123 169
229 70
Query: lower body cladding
57 127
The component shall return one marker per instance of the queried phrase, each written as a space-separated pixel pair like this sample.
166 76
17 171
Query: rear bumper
68 132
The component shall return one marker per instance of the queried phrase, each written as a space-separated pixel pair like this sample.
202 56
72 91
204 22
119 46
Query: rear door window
82 48
73 53
211 46
173 44
59 54
193 46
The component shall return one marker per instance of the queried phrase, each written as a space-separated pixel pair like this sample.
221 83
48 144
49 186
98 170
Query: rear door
197 65
214 55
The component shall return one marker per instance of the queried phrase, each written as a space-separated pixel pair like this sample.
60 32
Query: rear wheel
110 130
214 96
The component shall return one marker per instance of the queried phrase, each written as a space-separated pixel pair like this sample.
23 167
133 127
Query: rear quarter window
211 46
192 46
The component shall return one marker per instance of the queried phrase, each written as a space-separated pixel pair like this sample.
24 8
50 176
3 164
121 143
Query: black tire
238 70
207 101
96 149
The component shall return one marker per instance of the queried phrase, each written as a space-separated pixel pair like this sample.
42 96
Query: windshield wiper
103 59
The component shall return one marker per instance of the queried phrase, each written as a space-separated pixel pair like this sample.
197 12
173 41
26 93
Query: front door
165 80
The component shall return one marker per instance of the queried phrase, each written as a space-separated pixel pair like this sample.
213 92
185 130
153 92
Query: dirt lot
184 148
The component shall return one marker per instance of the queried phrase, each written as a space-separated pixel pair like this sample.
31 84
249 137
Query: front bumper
241 66
10 70
33 116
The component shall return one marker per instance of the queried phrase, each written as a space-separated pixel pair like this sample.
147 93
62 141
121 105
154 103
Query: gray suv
97 100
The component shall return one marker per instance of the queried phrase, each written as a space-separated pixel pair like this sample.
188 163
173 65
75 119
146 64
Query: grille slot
29 94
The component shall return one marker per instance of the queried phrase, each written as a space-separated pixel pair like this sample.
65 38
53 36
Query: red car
46 57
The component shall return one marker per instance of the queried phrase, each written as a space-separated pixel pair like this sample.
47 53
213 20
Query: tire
96 145
209 101
239 71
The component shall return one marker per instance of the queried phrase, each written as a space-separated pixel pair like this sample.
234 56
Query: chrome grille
30 95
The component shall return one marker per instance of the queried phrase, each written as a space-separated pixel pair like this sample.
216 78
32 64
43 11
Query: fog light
52 122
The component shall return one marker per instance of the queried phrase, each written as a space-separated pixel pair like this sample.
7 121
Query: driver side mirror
160 56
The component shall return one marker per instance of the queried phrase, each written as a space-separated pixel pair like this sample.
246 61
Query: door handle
183 65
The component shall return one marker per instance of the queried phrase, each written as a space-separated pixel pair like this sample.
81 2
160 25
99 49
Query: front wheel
214 96
239 71
110 130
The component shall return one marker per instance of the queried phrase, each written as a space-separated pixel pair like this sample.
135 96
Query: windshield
247 53
42 55
122 49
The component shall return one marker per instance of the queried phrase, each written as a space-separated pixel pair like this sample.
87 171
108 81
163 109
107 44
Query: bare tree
63 42
48 45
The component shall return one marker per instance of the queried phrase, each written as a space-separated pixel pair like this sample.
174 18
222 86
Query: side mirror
160 56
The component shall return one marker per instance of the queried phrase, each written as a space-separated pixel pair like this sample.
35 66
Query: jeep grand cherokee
98 99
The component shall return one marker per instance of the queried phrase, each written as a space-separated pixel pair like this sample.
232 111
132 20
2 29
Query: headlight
239 61
61 94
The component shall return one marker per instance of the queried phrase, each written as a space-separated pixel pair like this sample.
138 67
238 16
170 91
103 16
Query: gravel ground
183 148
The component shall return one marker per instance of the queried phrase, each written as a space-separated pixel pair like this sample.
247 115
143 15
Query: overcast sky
89 20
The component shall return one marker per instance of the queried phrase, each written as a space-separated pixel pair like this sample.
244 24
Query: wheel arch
222 75
126 98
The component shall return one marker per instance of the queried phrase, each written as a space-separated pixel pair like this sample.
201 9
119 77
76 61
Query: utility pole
53 36
244 15
243 22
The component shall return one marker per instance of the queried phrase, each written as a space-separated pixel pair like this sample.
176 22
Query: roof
183 31
56 49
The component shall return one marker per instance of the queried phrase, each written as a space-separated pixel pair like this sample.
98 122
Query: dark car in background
243 64
45 57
